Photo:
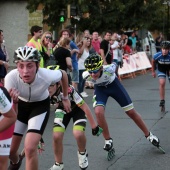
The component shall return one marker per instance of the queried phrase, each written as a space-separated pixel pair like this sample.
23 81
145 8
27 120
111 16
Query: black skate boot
162 105
15 166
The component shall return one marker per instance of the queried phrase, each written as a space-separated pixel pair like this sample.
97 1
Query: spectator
100 38
128 48
95 41
36 32
114 47
86 33
3 64
79 39
64 33
105 50
63 56
158 42
47 50
84 51
3 47
74 53
133 38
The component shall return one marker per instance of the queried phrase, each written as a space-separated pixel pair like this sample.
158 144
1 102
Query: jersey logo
2 100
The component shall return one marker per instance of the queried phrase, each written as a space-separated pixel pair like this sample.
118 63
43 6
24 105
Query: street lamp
168 5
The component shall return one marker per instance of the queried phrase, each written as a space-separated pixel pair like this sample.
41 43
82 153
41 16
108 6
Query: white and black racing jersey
107 76
75 98
5 104
38 89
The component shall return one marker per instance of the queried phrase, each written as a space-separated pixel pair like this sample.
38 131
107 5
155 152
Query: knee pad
58 120
80 125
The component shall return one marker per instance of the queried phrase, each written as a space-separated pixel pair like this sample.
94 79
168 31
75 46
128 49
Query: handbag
50 61
109 55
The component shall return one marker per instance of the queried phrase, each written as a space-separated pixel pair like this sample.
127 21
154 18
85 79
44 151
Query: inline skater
79 112
32 103
161 63
7 120
106 85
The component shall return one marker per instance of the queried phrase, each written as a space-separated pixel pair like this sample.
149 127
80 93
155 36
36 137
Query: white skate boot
83 161
57 166
155 141
109 148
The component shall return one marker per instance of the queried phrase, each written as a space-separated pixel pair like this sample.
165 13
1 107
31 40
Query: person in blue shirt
74 52
161 64
3 64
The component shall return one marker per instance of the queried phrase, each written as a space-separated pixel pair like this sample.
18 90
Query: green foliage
105 14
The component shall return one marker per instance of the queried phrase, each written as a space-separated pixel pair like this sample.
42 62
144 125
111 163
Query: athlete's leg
58 146
81 140
4 162
162 82
123 98
31 142
82 152
14 155
101 120
138 120
79 120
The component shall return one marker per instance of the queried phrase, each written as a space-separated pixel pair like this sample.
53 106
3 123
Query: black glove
97 131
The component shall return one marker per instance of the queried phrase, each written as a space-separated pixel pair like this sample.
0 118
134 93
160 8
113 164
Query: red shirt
96 45
127 49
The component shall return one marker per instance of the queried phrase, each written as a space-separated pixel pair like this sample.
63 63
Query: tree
105 14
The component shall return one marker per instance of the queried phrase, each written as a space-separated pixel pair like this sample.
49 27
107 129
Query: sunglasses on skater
94 71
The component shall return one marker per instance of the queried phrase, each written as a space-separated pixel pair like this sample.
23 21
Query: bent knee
57 136
78 134
99 111
30 151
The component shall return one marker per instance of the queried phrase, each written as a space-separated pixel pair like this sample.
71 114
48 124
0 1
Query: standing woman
46 43
63 56
3 64
84 51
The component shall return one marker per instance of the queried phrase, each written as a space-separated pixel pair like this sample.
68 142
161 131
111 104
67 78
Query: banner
136 62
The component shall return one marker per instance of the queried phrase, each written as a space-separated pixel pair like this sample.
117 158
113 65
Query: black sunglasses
48 37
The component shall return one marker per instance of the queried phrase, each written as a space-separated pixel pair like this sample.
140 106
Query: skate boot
83 161
109 148
17 165
57 166
155 141
162 105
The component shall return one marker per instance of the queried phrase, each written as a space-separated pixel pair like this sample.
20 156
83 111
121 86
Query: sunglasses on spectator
94 71
48 37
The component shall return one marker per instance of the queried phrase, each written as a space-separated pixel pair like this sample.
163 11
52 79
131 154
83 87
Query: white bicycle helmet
26 54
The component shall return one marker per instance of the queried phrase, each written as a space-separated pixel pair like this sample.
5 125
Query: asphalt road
133 151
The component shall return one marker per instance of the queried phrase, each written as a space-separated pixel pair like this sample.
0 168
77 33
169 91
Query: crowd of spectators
70 51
